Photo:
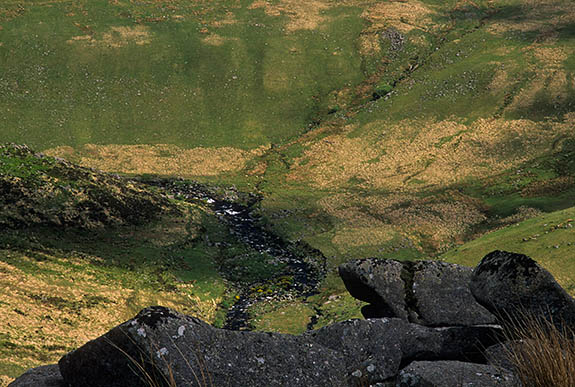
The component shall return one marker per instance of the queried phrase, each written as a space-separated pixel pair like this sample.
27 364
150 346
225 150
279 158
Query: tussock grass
545 355
155 370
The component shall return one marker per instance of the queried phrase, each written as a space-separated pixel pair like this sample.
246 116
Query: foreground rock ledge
44 376
454 373
162 346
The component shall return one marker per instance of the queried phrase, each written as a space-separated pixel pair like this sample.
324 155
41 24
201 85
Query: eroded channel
302 266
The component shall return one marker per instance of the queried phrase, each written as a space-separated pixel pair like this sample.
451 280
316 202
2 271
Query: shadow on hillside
529 24
546 105
113 248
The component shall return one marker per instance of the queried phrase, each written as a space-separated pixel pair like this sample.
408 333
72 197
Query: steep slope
474 122
80 251
551 237
186 73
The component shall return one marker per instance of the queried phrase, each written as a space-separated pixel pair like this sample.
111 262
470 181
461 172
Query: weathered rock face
169 345
442 296
372 349
513 285
352 353
426 292
453 374
498 354
378 282
449 343
45 376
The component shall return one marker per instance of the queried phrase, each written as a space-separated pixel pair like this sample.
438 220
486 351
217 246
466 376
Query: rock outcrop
513 286
162 347
453 374
44 376
430 293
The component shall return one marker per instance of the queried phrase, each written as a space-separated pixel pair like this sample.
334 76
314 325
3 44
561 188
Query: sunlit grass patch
159 159
403 16
283 317
68 288
389 156
60 306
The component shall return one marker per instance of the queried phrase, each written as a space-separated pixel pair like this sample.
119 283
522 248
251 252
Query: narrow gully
246 228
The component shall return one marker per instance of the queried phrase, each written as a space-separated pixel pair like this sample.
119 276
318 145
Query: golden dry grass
303 15
46 310
501 81
216 40
158 159
5 380
347 240
394 157
377 219
545 355
116 37
228 19
401 15
369 44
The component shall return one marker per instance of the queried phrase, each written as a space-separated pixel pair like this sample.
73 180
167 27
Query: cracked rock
429 293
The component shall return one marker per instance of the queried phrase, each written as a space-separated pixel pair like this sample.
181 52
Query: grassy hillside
548 238
81 251
190 73
475 126
395 129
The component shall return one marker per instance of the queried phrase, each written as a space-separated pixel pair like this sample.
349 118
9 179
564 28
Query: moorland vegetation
389 129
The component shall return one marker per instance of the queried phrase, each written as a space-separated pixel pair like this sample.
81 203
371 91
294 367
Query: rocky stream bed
303 265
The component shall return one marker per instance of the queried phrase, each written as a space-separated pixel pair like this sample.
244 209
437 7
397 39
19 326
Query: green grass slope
191 73
548 238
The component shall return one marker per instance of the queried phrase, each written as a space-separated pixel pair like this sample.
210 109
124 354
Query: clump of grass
148 368
544 354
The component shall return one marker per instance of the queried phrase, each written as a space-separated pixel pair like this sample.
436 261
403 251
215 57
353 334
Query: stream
305 265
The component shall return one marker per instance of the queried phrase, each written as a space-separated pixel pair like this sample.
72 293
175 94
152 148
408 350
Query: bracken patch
303 15
158 159
412 156
402 15
116 37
